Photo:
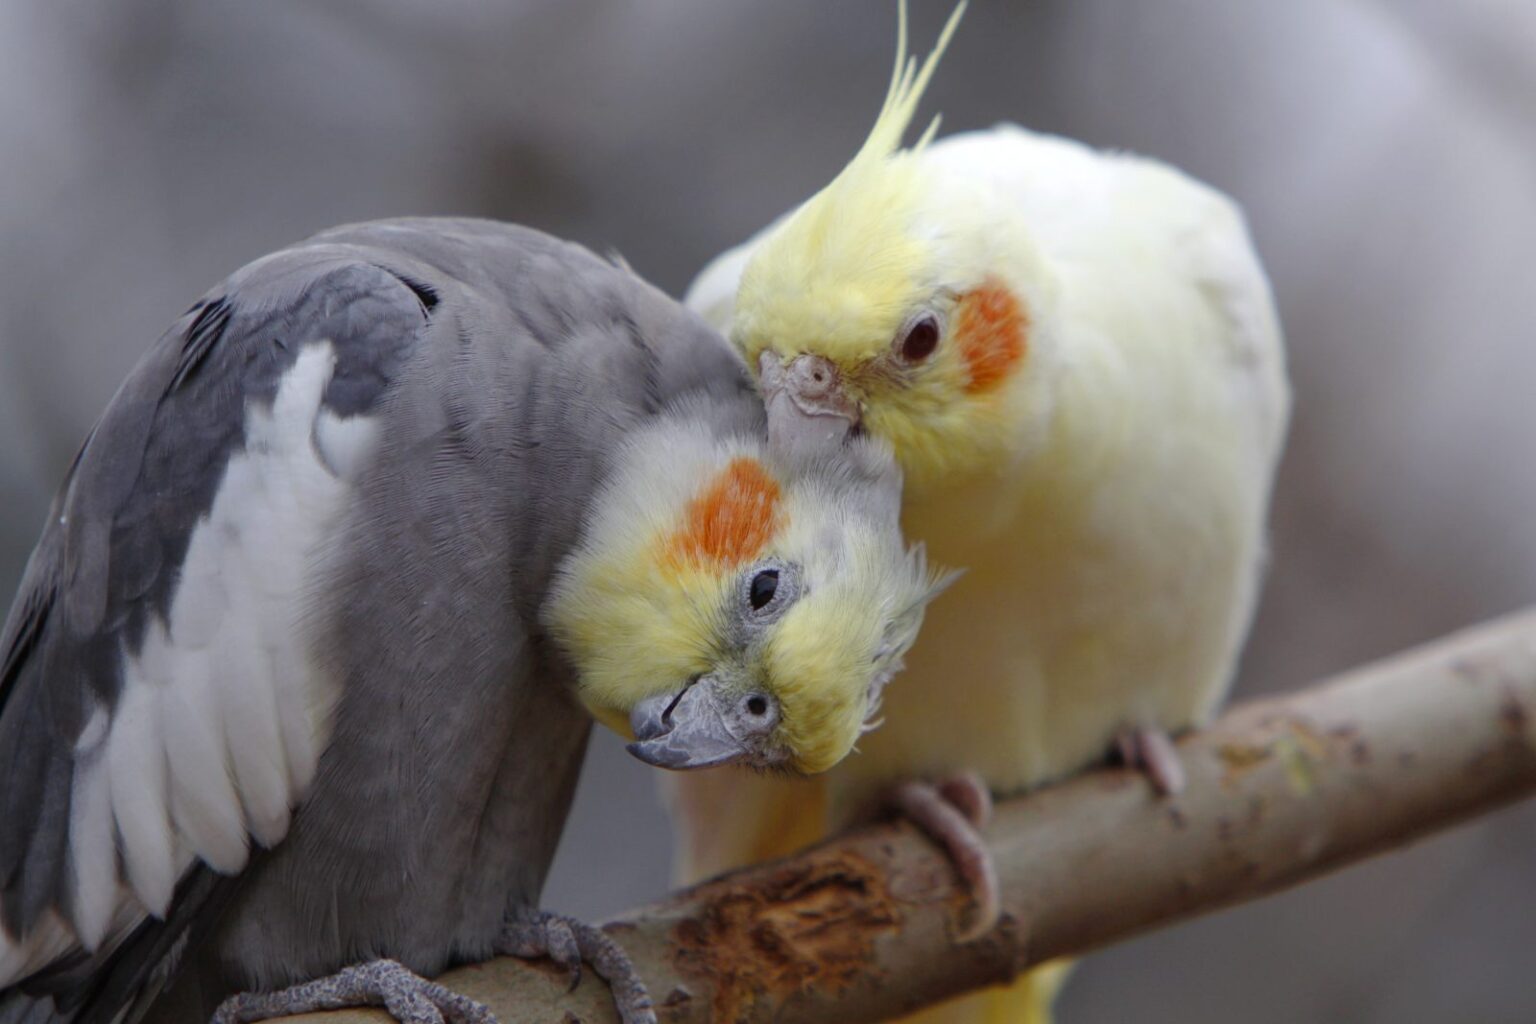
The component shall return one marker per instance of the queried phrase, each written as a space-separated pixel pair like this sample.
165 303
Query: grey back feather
503 367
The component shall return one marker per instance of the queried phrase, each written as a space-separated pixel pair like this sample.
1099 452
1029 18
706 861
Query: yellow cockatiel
1077 359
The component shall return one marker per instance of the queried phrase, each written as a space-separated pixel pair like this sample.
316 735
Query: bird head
730 604
895 302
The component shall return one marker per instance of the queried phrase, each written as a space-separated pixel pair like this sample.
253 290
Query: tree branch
1280 791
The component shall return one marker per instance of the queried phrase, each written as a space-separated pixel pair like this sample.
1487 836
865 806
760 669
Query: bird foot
952 812
569 943
405 995
1151 751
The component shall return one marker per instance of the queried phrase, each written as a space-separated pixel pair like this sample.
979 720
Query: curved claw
968 793
564 950
570 943
1151 751
951 814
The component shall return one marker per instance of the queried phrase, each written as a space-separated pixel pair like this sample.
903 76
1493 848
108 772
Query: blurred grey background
1386 153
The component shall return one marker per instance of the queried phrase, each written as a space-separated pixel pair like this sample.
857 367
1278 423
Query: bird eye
757 705
921 339
764 585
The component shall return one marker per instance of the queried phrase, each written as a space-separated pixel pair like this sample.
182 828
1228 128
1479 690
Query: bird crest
848 255
909 80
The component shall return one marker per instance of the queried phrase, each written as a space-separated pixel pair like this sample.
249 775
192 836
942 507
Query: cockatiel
294 680
1076 357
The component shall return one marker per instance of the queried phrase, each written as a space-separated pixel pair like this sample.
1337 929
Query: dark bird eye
757 705
922 338
764 585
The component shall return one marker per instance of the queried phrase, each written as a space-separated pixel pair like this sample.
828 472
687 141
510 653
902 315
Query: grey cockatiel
295 677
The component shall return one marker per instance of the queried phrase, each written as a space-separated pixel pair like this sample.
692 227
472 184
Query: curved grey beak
692 729
808 409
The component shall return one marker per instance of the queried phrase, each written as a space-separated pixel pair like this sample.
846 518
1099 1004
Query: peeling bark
1280 791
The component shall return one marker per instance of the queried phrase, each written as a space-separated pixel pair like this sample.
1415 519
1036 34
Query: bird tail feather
1029 999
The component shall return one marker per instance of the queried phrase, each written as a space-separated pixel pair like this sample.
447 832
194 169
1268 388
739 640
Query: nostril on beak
812 375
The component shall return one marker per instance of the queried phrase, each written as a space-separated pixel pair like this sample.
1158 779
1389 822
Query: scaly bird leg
569 942
952 813
1149 750
406 996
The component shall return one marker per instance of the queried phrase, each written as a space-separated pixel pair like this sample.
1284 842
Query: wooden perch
1280 791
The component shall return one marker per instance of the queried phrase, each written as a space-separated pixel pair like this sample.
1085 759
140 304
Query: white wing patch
222 716
90 832
345 442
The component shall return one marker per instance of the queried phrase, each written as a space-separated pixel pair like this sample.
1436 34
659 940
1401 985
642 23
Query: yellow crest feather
909 80
846 257
845 270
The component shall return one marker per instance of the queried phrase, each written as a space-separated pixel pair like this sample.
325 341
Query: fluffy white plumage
1114 540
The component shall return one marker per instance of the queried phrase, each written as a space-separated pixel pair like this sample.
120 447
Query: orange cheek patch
731 519
992 330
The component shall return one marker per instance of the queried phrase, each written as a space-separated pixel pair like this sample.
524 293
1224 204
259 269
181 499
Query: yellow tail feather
1028 1000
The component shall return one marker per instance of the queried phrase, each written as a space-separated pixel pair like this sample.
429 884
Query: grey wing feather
117 985
107 566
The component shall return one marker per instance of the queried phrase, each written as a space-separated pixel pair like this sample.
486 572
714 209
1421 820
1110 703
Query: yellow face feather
886 246
849 255
660 592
